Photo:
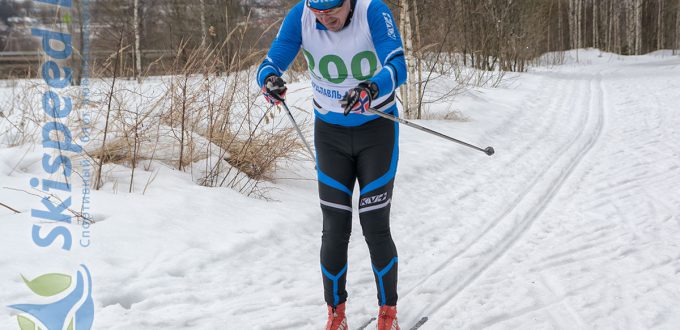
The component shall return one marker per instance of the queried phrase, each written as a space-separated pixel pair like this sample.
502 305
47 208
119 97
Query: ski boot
387 318
336 318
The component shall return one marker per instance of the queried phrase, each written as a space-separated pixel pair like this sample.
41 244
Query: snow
574 222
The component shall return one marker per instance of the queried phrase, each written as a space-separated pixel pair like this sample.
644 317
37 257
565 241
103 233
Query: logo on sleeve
390 26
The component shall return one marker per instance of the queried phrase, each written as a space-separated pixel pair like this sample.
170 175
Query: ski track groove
595 98
491 225
511 206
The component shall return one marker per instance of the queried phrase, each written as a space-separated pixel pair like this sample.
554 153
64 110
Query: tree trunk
560 25
630 26
419 60
617 32
596 25
605 16
579 23
570 18
611 21
411 65
463 30
659 25
227 49
638 26
408 93
183 123
204 29
77 59
575 23
138 52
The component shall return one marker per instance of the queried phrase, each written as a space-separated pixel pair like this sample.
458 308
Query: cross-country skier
356 61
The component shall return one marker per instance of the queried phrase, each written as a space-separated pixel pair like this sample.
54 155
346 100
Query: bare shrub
202 119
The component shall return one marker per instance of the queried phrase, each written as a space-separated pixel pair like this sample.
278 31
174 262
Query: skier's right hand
274 89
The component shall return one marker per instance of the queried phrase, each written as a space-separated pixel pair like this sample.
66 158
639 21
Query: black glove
274 89
358 99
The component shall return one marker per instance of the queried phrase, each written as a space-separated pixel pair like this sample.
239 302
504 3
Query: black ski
366 324
419 323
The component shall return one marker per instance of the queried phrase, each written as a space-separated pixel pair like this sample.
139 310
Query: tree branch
11 209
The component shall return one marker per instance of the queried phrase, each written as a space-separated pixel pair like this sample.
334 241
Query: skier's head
331 13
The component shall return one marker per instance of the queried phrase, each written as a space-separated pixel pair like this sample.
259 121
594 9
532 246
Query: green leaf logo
25 323
49 285
67 18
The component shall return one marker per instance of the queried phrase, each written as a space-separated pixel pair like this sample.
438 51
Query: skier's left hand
358 99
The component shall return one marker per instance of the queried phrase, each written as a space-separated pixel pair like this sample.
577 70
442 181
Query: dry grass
201 117
257 157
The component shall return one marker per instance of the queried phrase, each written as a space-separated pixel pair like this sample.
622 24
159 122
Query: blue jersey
369 47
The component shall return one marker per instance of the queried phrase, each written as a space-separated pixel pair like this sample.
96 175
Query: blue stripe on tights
335 279
380 275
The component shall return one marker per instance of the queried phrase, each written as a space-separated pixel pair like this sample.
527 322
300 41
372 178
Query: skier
356 61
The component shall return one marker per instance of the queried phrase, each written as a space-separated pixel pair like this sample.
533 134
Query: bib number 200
341 67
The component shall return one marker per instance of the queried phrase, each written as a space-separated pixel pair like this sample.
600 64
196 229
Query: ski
414 327
366 324
419 323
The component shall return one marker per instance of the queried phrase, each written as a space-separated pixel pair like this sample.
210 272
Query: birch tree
418 59
616 36
638 26
560 24
204 29
575 23
408 94
659 25
78 59
579 24
632 20
138 52
608 25
596 25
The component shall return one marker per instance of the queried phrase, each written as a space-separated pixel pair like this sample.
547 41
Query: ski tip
419 323
367 323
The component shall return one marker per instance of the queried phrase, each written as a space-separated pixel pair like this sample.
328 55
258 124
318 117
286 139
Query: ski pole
488 150
297 128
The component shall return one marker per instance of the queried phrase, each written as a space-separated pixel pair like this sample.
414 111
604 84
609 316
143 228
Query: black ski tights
367 153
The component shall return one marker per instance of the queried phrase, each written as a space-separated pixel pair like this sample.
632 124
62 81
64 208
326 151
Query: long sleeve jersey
369 47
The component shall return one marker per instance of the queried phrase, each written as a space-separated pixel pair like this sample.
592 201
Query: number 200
324 65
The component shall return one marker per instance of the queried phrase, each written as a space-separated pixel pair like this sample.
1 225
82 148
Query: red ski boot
387 318
336 318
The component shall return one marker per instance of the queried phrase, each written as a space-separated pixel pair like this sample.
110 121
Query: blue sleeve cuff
266 69
392 75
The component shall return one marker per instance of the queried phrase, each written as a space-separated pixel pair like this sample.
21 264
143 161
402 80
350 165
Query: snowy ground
573 224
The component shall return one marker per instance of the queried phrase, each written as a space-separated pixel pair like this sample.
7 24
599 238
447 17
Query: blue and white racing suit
358 146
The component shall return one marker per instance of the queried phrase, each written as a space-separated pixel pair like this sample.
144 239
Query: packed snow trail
623 142
584 127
